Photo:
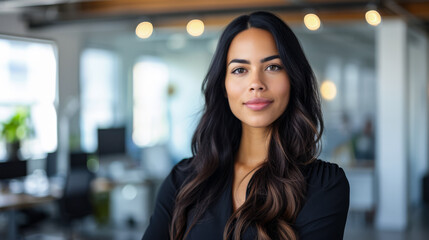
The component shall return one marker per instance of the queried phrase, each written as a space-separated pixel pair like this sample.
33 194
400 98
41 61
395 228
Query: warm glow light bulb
312 21
373 17
195 27
144 30
328 90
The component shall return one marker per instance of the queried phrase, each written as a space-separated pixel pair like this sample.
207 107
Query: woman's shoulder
181 171
324 174
183 165
324 213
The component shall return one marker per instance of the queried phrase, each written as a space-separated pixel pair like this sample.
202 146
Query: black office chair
75 204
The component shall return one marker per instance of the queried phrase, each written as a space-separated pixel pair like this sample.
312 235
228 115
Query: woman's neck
253 149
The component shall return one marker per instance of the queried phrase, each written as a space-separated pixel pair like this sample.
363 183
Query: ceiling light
195 27
328 90
312 21
144 30
373 17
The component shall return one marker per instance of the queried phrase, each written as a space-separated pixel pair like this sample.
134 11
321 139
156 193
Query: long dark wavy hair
278 187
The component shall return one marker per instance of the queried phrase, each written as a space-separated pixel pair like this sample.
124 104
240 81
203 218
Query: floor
357 227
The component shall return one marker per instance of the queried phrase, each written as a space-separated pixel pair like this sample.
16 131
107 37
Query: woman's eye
239 71
274 68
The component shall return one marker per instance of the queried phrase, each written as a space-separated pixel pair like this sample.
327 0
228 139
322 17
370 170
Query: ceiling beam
220 11
83 12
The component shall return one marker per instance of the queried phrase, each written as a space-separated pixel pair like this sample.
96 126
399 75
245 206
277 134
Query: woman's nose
256 82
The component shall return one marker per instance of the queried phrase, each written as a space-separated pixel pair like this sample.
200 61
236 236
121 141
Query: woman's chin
257 124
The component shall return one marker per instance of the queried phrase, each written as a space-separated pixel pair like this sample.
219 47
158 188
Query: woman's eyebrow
269 58
248 62
239 61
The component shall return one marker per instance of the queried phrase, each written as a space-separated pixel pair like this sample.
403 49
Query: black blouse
323 215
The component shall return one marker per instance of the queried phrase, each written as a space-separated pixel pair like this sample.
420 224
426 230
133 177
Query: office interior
105 96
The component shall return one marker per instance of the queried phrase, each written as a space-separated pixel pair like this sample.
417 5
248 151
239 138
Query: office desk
11 202
363 197
17 201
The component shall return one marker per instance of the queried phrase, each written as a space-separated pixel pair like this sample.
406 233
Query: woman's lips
258 103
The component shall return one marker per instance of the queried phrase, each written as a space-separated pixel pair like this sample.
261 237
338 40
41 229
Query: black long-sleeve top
323 215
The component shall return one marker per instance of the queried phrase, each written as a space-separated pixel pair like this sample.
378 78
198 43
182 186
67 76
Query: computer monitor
111 141
78 160
13 169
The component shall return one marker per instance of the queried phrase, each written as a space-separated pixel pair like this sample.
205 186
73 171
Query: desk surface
16 201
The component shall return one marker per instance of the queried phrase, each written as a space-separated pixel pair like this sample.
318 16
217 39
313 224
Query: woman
254 172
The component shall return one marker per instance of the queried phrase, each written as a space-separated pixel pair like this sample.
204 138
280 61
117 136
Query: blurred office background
99 99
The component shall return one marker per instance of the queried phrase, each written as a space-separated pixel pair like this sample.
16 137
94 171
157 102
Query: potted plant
16 129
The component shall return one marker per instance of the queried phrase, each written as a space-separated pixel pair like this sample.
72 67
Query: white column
391 133
69 50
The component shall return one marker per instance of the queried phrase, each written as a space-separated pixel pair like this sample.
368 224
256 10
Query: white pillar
391 133
69 50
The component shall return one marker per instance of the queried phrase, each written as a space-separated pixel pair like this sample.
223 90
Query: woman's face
256 82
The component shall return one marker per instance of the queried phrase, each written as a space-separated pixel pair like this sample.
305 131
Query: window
150 93
99 95
28 77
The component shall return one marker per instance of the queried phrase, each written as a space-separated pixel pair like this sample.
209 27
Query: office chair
75 203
